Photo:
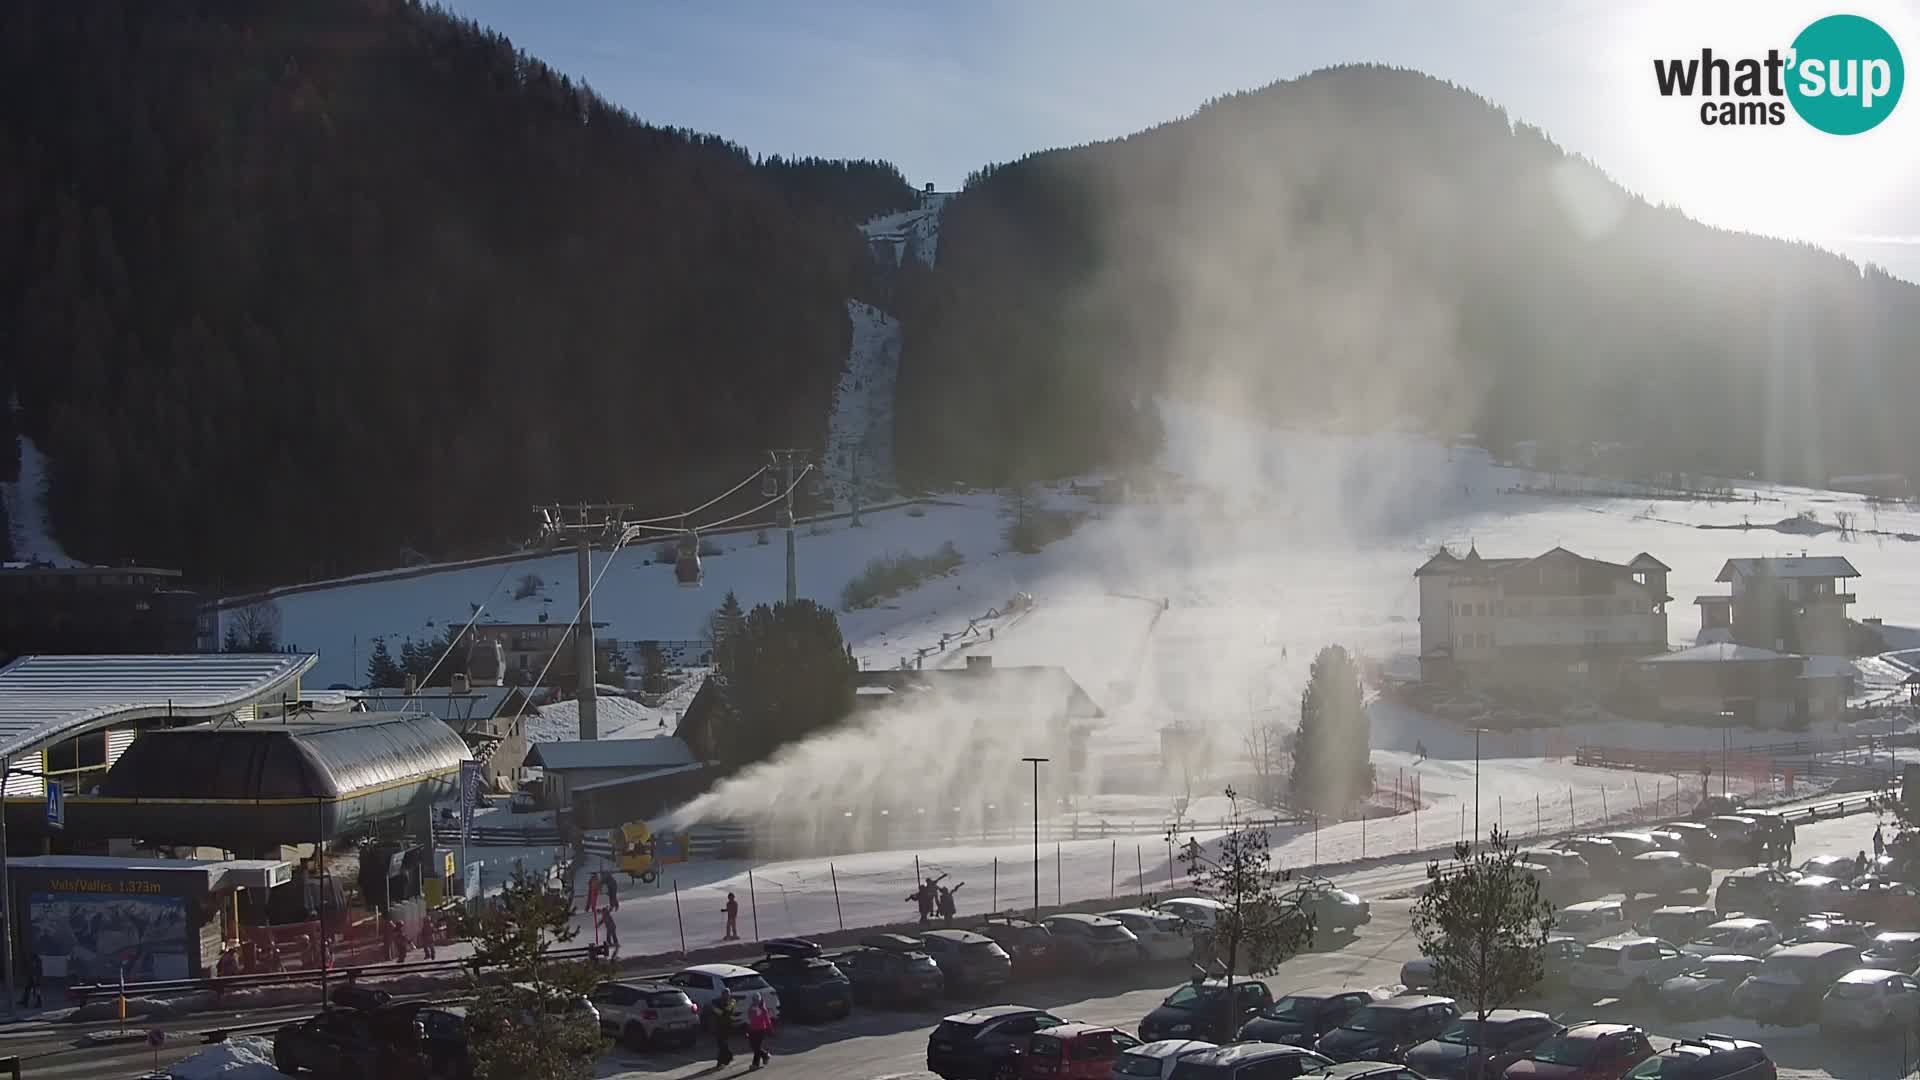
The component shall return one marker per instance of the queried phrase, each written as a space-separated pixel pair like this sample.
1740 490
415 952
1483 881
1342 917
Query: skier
723 1016
1420 749
759 1026
1860 863
919 898
948 909
608 933
610 889
1879 843
733 920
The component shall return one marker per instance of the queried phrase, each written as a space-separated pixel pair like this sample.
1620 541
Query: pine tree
722 630
1484 925
1330 751
382 672
790 677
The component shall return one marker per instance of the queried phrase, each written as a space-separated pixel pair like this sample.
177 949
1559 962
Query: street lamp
1476 785
1036 762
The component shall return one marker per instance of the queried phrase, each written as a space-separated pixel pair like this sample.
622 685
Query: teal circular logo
1846 75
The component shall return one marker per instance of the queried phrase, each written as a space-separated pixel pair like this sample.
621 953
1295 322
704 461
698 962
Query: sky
941 89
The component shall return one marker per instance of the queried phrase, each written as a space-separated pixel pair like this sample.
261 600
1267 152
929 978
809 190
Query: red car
1074 1052
1589 1051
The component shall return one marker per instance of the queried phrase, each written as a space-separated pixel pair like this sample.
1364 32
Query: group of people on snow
934 898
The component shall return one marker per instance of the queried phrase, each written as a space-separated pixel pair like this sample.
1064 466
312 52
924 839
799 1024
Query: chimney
459 684
979 663
413 684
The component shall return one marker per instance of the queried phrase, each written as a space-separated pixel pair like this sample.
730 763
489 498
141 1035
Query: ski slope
24 500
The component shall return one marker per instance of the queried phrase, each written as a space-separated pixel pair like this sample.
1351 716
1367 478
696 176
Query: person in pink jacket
759 1026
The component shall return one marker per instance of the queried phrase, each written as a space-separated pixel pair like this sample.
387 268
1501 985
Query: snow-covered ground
910 233
27 512
247 1057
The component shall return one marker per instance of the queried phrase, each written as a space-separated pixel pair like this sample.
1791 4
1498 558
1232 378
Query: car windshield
1292 1008
1189 996
1729 936
1603 955
738 983
1560 1050
1374 1018
1791 969
954 1031
1136 1065
1045 1046
1582 920
668 999
1025 935
1664 1067
983 948
1855 991
1195 1070
1109 932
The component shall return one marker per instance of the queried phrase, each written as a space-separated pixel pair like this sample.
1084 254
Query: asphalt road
889 1044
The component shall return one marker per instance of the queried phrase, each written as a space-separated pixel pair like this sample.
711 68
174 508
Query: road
882 1043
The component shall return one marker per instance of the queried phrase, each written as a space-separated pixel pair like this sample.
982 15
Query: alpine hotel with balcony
1554 621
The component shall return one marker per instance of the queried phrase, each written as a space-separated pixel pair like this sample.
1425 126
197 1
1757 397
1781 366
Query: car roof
1869 975
960 937
1622 940
990 1013
1827 860
1015 921
1075 1029
1751 872
893 942
648 985
1323 992
1203 901
1592 905
1627 835
1729 958
1740 922
1656 856
1702 1045
1810 949
1137 913
1347 1069
1166 1048
725 971
1595 1029
1080 917
1893 936
1411 1001
1507 1016
1235 1053
1818 881
1681 909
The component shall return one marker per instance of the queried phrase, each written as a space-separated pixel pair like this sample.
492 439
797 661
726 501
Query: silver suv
645 1014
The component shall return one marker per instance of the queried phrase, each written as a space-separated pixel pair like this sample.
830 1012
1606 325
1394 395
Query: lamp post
1036 763
1476 785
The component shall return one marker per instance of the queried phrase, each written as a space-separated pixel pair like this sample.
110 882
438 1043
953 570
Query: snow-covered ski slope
27 513
1294 541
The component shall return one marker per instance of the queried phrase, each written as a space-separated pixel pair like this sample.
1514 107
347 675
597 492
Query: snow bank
247 1058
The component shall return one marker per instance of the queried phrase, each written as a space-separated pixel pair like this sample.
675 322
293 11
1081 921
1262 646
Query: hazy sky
943 88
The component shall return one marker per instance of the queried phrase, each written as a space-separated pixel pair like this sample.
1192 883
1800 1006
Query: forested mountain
1364 245
286 288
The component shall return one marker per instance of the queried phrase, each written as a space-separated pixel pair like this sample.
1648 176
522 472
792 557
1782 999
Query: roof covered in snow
658 752
1818 566
47 698
1719 652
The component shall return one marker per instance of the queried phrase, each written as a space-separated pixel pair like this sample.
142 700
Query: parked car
1716 805
703 984
1251 1061
1418 974
1895 950
1366 1070
646 1014
449 1051
1870 1001
1556 963
1633 844
894 976
1706 987
1627 967
1028 944
1334 910
972 963
1472 1050
1074 1051
1690 838
1198 1010
1664 873
810 986
1710 1057
1837 867
1602 858
1815 893
1199 911
1740 834
1747 937
1592 920
1571 874
1300 1018
1156 1060
1830 926
1791 982
1586 1051
1090 941
1679 923
339 1043
984 1044
573 1006
1890 903
1386 1030
1754 890
1163 936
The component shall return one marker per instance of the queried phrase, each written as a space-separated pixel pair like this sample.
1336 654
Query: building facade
1790 605
98 610
1554 620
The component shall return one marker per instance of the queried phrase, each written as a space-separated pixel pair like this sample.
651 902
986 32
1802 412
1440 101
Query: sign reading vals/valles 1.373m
1842 75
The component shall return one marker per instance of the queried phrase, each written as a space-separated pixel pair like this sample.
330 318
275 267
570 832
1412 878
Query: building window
1556 607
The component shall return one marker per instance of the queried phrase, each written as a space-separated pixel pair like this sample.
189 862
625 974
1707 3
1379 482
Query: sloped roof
44 699
1719 652
479 703
1644 561
330 757
657 752
1817 566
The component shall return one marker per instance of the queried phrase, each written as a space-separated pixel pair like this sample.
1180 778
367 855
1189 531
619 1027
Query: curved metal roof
44 699
269 760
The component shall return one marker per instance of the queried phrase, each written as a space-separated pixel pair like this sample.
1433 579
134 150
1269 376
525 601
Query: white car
703 984
646 1014
1156 1060
1870 1001
1162 936
1591 921
1679 923
1663 873
1570 871
1196 910
1627 967
1742 937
